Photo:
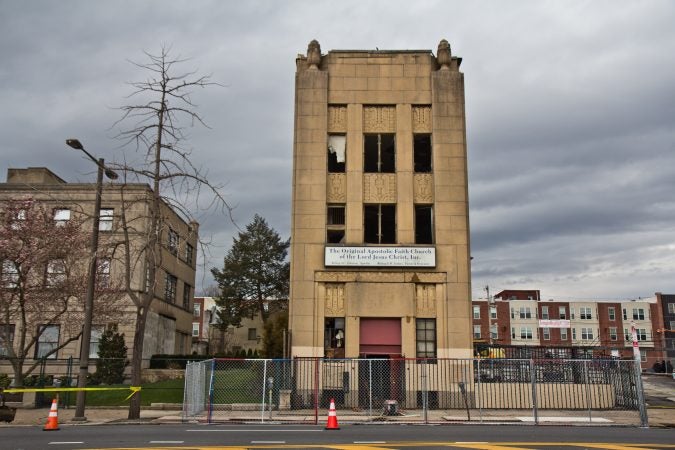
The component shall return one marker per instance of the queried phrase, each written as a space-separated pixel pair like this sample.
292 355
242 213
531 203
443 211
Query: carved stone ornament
337 119
423 188
443 55
314 54
334 300
421 116
425 300
379 119
337 188
379 188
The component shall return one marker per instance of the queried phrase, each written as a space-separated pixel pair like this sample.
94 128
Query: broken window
379 153
337 151
424 224
379 224
334 337
422 153
335 224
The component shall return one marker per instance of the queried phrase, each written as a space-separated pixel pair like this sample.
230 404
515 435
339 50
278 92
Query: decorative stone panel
425 300
421 117
336 188
334 305
379 188
337 119
423 188
379 119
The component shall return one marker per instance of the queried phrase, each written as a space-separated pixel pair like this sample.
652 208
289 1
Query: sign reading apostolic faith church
381 256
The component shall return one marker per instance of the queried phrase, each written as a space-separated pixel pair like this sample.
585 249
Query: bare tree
43 284
152 124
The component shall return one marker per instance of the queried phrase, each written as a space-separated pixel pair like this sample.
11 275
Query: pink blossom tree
43 284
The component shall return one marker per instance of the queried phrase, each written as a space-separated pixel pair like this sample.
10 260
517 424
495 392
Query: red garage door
380 336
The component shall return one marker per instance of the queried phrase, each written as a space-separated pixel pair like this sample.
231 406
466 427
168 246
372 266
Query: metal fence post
264 382
533 379
479 397
644 423
425 392
211 389
370 388
588 395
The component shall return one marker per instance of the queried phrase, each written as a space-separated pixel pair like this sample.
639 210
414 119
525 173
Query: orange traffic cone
53 419
332 423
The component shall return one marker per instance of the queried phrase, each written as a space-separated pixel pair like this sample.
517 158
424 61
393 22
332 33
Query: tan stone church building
380 259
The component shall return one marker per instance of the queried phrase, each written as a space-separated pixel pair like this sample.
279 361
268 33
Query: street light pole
91 282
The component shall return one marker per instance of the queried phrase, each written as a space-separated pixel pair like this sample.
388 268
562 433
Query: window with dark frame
252 334
334 337
187 290
379 154
379 224
61 216
105 219
103 273
96 333
424 224
337 153
422 153
170 288
189 254
172 242
10 274
47 342
56 273
335 224
6 338
425 337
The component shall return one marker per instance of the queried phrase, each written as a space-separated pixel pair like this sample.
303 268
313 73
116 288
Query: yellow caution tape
133 390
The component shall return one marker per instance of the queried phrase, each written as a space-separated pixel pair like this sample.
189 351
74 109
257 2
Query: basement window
337 151
335 224
424 225
379 153
422 153
379 224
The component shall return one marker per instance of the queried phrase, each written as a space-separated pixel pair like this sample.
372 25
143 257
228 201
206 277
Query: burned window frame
334 165
424 224
385 232
375 159
422 153
335 223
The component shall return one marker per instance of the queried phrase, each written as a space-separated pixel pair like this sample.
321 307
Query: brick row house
522 318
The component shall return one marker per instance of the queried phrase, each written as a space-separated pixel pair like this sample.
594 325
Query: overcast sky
570 116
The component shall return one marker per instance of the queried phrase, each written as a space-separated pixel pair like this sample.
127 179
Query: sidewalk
659 394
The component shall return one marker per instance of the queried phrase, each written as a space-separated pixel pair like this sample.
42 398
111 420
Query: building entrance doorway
381 373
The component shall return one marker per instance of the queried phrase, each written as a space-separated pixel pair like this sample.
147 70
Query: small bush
4 381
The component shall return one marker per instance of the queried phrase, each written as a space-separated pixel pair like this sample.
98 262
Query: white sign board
380 256
554 324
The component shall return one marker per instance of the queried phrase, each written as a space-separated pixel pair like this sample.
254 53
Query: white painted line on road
268 442
167 442
65 443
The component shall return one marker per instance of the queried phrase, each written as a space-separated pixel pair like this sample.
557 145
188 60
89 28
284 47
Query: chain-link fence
413 390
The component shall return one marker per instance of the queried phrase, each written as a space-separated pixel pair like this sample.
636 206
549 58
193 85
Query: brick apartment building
523 318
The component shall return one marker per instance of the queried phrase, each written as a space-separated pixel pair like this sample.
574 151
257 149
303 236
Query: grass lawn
168 391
